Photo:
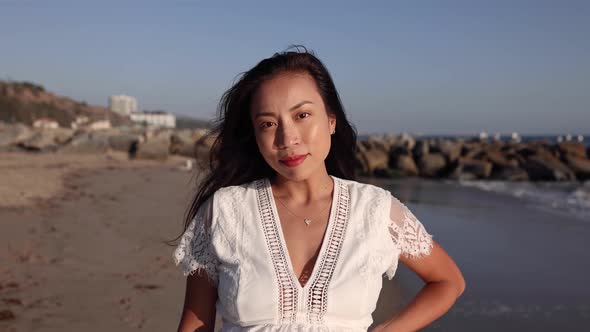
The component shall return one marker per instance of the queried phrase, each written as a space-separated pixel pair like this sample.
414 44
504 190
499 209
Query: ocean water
571 198
520 246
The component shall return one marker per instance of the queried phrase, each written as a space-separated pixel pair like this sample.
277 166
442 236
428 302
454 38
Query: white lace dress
245 255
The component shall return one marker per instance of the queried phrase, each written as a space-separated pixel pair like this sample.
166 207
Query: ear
332 121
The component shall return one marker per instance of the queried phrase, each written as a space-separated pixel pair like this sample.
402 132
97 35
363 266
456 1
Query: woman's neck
316 187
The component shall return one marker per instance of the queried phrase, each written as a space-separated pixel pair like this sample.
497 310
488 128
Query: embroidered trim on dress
317 296
317 300
288 293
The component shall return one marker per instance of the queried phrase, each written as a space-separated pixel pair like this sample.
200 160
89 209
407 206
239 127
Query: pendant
307 221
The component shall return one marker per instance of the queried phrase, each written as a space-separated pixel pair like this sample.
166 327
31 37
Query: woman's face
291 125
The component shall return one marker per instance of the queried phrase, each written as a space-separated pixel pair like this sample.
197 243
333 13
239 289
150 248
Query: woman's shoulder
237 191
363 189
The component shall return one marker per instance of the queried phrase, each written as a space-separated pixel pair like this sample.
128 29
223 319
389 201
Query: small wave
572 198
497 308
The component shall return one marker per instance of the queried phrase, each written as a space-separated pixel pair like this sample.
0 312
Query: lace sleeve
407 232
194 253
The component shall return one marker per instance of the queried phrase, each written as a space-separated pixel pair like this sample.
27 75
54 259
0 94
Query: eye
303 113
266 124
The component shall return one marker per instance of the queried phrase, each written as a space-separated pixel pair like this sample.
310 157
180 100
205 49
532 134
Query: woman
280 237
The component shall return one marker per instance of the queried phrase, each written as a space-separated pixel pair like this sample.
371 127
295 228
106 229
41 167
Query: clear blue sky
431 67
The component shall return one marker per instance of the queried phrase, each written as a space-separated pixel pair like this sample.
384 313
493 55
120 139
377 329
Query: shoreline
521 263
41 178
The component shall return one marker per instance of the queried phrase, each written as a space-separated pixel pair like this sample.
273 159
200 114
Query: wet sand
91 257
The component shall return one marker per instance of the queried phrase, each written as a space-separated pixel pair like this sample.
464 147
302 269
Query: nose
287 136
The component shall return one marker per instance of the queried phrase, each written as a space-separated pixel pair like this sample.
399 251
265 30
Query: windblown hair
234 157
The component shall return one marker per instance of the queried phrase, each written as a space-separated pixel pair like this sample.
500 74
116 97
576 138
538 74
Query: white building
154 118
79 122
100 124
122 104
45 123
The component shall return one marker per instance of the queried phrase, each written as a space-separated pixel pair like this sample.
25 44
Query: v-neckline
283 242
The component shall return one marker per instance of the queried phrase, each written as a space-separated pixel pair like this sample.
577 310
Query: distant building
46 123
122 104
100 124
154 118
80 121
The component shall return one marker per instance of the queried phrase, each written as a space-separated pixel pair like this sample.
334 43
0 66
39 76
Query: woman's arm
198 313
444 284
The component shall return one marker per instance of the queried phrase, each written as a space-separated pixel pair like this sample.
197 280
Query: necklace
307 221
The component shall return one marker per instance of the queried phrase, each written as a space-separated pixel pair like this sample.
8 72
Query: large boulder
397 150
203 145
576 149
406 140
152 149
580 166
450 149
183 142
473 150
63 136
405 163
513 156
431 165
360 160
475 154
401 160
421 149
47 139
390 140
87 142
499 159
472 169
125 142
156 146
13 134
373 160
545 167
377 143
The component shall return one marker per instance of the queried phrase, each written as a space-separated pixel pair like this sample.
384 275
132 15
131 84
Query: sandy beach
85 251
82 249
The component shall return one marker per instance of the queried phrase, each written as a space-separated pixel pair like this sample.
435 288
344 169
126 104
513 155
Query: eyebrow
294 107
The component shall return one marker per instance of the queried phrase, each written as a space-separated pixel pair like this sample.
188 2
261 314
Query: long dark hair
234 157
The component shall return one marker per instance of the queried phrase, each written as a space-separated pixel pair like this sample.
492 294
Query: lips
294 160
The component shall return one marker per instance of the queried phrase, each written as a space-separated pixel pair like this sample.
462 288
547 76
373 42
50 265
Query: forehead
285 90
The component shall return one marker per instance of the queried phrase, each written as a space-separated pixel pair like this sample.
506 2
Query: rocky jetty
470 159
139 142
389 156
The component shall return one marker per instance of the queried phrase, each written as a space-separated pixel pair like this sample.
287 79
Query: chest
303 242
298 275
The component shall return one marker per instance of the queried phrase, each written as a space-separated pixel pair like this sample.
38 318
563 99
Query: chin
295 174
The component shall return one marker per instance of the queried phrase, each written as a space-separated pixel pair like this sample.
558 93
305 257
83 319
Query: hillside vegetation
24 102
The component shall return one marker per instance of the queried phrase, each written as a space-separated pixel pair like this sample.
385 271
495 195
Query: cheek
319 140
264 144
